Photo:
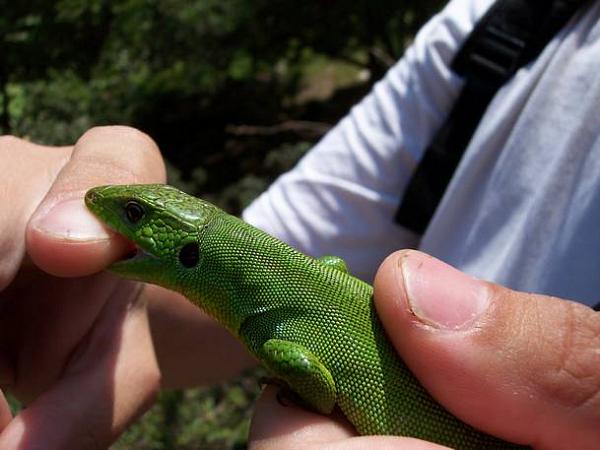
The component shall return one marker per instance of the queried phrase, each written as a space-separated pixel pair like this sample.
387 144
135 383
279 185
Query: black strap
597 307
510 35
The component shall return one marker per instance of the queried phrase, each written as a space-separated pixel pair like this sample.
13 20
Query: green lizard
310 323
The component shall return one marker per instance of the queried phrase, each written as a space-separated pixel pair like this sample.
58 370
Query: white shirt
523 207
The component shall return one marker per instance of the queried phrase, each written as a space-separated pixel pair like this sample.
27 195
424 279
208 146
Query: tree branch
301 127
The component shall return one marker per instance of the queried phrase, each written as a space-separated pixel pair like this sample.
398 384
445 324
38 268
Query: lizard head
163 224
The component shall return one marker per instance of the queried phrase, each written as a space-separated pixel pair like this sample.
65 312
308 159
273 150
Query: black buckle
495 57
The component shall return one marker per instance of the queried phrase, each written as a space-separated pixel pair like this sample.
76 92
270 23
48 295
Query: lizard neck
241 270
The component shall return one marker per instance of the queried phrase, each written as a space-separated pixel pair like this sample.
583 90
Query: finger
27 173
521 366
275 423
5 413
277 427
177 326
63 237
111 380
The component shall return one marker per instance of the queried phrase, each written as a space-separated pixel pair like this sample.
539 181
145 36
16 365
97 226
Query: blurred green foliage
216 417
190 73
233 91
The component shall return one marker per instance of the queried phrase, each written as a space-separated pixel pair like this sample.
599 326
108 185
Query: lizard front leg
301 371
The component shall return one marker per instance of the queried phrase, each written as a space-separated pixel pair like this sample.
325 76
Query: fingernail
71 220
441 296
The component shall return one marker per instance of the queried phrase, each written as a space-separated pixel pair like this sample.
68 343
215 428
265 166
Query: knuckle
125 149
121 133
573 374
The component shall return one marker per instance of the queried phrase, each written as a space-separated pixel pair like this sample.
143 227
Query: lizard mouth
132 255
136 263
131 250
134 252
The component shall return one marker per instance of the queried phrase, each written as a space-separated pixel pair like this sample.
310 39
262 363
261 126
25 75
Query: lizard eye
134 211
189 255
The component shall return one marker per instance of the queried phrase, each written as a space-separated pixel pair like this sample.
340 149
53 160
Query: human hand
76 350
520 366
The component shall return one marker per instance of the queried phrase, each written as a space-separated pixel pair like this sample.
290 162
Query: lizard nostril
91 196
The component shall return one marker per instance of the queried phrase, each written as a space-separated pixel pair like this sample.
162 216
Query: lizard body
313 325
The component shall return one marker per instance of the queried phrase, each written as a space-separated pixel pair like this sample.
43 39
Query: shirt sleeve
341 197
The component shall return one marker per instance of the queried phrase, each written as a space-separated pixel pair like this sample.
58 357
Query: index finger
63 237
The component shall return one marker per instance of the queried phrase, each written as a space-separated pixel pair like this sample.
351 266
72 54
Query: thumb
63 237
520 366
